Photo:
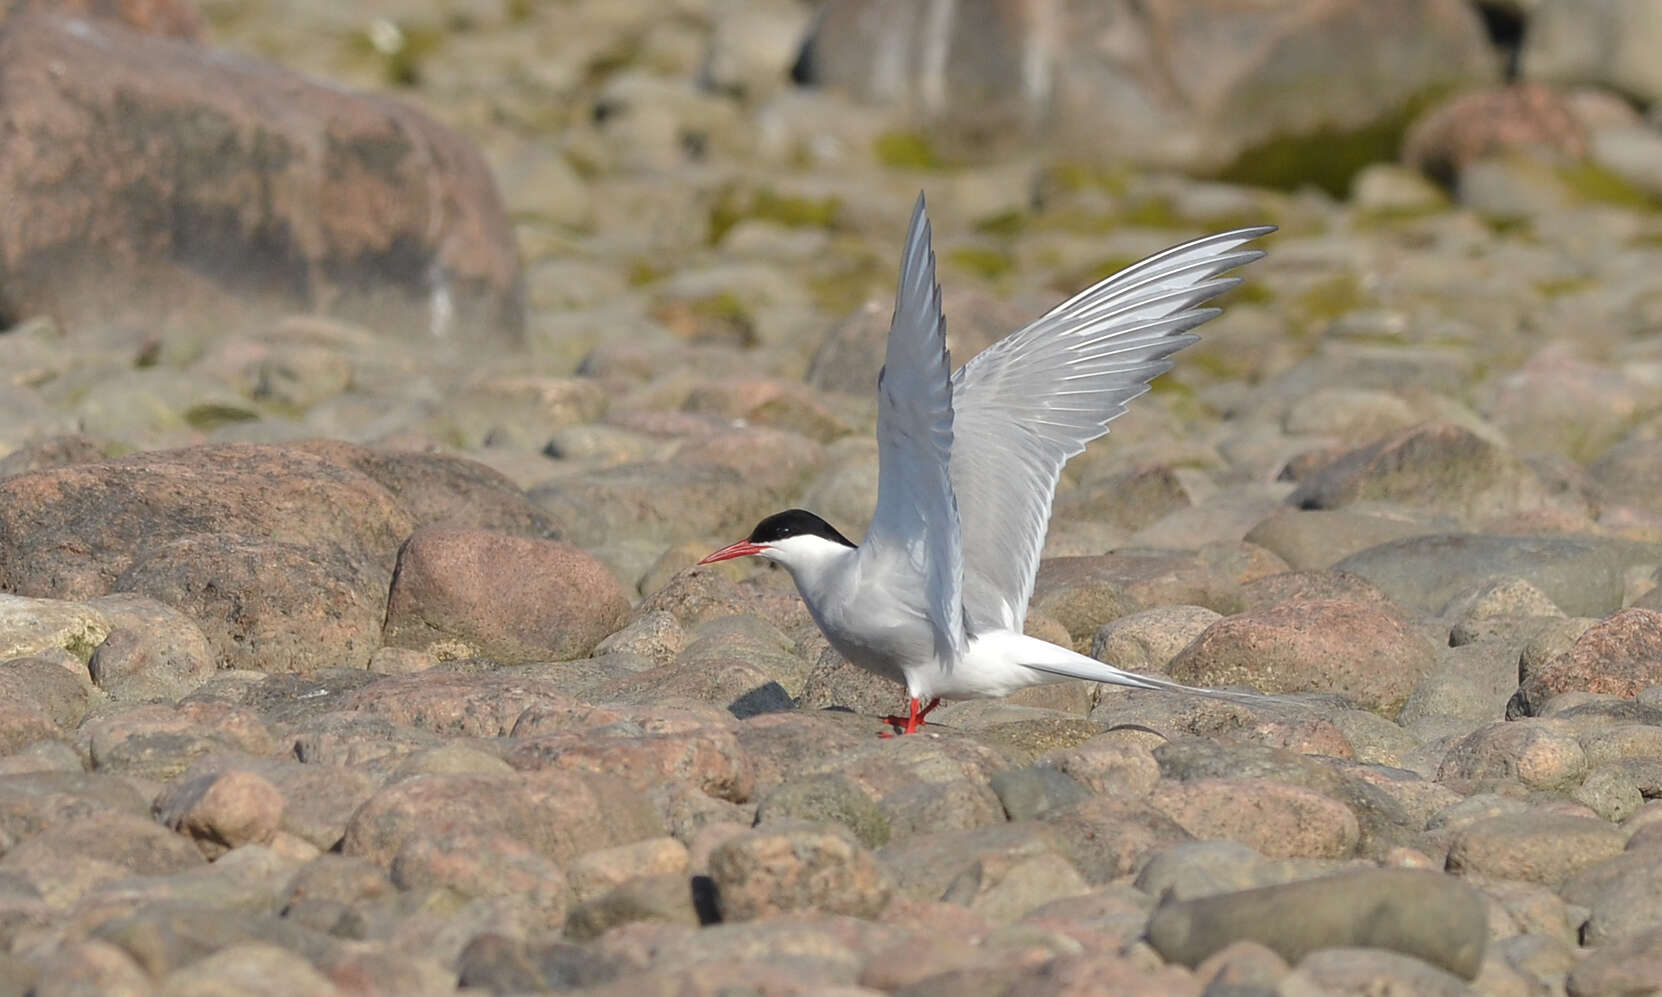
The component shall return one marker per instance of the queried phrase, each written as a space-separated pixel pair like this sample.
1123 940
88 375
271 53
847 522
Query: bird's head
794 538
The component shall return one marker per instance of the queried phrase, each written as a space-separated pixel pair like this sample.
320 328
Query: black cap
795 523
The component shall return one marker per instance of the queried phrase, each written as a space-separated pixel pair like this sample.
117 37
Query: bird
936 593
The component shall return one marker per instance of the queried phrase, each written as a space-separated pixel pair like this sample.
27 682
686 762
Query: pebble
445 598
829 798
222 810
1004 891
1363 971
1147 642
599 871
1107 838
87 967
256 968
1620 895
1535 846
1471 685
1583 576
1083 593
1611 793
663 898
560 814
485 865
1290 586
1316 539
1108 764
152 652
1433 467
1616 656
1629 965
1420 914
1368 653
1506 597
708 758
774 870
1274 818
1539 753
1519 908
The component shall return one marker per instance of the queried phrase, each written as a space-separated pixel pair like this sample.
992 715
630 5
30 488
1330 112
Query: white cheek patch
806 548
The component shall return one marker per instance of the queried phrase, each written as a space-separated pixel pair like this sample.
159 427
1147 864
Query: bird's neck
817 565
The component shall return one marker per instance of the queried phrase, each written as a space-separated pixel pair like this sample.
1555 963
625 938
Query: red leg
910 723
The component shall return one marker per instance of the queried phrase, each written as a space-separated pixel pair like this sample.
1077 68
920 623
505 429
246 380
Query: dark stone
1422 914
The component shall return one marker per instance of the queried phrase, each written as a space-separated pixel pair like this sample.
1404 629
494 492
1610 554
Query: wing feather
1031 401
916 520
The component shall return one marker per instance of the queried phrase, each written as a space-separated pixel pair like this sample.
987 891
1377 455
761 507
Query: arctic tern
935 595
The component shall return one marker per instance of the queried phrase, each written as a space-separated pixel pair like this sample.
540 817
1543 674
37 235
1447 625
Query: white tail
1053 659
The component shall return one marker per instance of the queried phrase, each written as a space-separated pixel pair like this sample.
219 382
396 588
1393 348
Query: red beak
738 548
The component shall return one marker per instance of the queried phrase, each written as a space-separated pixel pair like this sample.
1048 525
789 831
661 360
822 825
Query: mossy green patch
722 305
1180 398
1152 212
1248 292
212 415
907 150
1506 225
401 51
720 317
1216 360
988 264
1558 287
1084 223
1383 218
1329 298
1005 224
829 798
1328 157
82 643
734 206
643 272
610 61
1592 182
855 275
1074 176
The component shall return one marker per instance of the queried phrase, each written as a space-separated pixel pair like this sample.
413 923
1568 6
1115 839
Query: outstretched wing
915 526
1034 399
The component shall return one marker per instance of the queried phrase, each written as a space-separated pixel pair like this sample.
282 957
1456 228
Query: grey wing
915 526
1034 399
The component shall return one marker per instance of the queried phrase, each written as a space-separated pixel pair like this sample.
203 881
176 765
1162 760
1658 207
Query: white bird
936 594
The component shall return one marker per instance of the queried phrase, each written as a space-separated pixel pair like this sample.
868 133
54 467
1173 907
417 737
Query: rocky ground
340 658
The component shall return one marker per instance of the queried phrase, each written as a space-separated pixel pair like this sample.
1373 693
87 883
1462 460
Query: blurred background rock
610 225
657 161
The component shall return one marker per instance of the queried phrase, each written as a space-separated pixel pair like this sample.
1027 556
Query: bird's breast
876 631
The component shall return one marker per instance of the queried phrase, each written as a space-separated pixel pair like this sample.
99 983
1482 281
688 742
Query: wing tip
918 258
918 297
919 231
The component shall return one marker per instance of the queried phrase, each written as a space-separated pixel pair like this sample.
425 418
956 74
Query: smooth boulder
1422 914
166 185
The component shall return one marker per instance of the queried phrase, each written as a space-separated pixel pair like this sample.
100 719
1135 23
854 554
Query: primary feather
1031 401
916 519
